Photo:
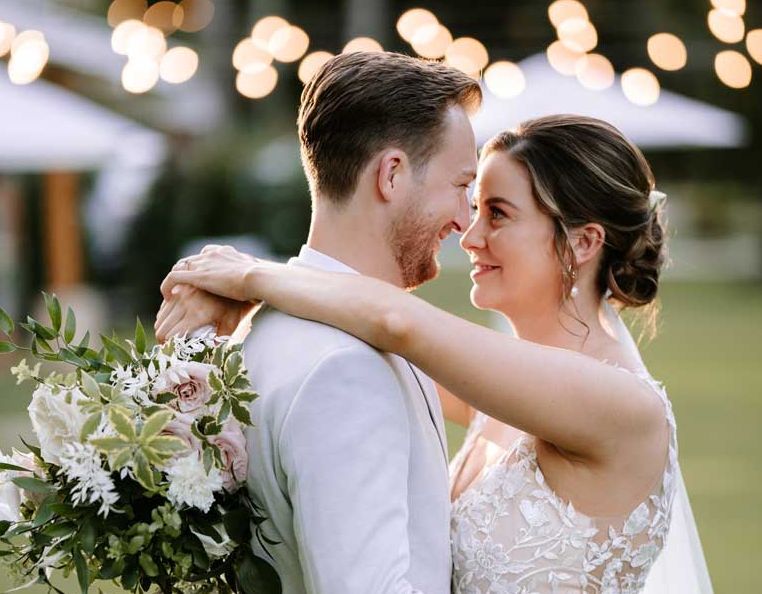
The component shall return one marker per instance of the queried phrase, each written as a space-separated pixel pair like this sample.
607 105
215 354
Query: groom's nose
462 217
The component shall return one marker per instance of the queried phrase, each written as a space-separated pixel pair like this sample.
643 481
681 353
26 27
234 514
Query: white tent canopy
673 121
45 127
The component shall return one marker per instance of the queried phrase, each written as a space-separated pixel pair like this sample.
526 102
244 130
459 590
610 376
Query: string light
412 20
165 16
197 14
265 28
288 44
124 10
737 7
29 56
256 85
563 10
640 86
178 65
578 35
505 79
362 44
147 42
667 51
311 64
725 25
753 45
468 55
140 75
431 41
595 72
247 53
562 59
733 69
7 35
120 38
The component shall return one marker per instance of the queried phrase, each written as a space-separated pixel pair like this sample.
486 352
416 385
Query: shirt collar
312 257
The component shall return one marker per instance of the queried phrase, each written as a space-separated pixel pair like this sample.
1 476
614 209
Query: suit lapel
424 384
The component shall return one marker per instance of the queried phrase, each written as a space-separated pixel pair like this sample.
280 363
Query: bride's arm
583 406
453 408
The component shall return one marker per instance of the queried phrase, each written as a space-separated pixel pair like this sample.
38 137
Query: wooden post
62 230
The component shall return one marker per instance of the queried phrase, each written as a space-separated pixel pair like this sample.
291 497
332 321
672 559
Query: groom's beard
413 240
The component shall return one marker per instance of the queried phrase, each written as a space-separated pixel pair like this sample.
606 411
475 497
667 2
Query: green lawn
709 356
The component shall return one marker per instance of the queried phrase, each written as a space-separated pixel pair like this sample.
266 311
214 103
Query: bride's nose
473 238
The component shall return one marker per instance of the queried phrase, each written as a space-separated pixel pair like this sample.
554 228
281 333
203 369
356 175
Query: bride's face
511 243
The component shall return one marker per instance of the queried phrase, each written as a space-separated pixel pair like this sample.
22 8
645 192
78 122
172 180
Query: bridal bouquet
138 476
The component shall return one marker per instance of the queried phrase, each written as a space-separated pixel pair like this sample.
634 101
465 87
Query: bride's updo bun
584 170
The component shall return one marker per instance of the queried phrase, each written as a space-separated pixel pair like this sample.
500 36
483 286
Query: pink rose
232 444
180 427
188 381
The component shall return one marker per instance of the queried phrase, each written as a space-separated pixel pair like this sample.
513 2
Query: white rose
56 422
10 494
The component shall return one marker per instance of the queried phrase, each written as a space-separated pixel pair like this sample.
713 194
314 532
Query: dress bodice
512 534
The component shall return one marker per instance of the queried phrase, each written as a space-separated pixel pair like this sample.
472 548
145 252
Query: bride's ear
587 242
393 177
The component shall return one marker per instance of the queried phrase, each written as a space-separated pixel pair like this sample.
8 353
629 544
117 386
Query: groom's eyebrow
468 173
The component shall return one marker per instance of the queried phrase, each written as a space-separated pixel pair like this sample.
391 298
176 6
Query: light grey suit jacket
347 458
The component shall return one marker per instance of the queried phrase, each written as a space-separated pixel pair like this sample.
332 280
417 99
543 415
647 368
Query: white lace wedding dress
511 534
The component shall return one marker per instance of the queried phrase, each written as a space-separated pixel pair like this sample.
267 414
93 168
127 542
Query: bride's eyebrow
495 200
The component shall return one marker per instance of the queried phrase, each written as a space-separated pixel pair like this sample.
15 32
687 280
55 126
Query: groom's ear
393 174
587 242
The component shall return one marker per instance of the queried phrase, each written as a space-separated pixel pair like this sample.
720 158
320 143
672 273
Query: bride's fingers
177 277
170 321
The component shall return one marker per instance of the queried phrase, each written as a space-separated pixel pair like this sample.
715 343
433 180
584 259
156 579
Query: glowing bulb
7 35
148 42
311 64
467 54
753 45
247 53
26 37
737 7
431 41
563 10
178 65
362 44
725 26
265 28
123 10
289 44
640 86
562 59
28 60
197 14
504 79
140 75
733 69
578 35
595 72
165 16
256 85
412 20
120 38
667 51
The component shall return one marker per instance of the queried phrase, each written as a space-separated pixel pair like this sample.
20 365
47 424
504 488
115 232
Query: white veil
681 567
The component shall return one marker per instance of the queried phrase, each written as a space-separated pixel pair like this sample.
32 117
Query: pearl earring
574 292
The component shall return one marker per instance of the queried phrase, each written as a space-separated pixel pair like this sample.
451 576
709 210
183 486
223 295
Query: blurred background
134 132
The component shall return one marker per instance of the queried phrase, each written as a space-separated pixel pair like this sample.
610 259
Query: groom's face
438 204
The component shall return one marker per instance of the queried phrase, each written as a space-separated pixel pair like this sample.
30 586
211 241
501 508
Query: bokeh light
247 53
288 44
140 75
265 28
641 86
468 55
504 79
733 69
256 85
725 26
735 6
123 10
412 20
362 44
562 59
563 10
595 72
311 64
178 65
667 51
197 14
29 55
754 45
431 41
120 38
165 16
148 42
578 35
7 35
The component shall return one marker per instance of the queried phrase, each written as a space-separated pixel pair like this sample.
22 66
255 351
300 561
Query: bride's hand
220 270
190 309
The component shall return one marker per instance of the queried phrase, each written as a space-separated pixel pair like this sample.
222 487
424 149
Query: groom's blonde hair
360 103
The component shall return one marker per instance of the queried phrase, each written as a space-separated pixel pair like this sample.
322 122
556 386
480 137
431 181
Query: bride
568 480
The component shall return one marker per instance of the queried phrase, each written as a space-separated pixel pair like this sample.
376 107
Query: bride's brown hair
583 170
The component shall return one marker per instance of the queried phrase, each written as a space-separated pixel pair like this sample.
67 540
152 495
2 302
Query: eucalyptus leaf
7 347
88 534
90 386
90 425
70 327
6 323
54 311
32 484
6 466
117 351
83 573
140 337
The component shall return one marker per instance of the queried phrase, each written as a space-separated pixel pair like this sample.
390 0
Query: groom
348 455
